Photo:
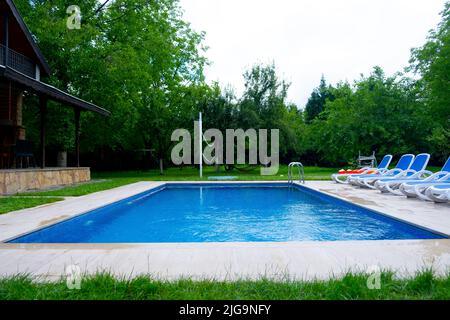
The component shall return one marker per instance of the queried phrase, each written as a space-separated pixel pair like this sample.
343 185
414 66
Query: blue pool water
219 213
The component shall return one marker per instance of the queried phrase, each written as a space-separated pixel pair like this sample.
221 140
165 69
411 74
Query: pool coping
227 261
19 223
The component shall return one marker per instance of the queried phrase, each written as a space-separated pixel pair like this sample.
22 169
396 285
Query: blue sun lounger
408 189
382 167
438 193
403 164
416 171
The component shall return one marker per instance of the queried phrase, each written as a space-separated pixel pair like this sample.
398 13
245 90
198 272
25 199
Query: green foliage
143 62
130 57
316 103
385 114
264 106
432 62
377 113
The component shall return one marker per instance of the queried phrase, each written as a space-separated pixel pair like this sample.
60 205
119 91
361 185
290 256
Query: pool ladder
301 172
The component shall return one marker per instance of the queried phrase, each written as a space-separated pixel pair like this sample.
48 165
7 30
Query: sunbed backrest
405 162
420 162
446 166
385 162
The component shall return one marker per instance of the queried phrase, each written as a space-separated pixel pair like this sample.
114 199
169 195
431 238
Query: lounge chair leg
396 192
434 197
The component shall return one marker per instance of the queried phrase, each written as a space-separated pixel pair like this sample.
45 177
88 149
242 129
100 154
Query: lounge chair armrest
423 174
445 175
404 173
366 169
392 171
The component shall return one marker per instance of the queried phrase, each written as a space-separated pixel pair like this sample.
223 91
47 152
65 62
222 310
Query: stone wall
19 180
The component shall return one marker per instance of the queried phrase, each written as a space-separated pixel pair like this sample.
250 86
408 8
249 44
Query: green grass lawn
8 204
109 180
352 286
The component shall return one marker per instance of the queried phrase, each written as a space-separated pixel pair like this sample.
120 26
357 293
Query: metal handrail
301 172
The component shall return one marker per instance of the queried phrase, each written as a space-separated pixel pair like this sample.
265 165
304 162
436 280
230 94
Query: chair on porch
23 150
5 153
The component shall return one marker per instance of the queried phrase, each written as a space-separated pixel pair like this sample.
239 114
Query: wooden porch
22 65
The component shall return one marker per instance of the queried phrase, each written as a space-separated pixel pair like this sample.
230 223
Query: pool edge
163 184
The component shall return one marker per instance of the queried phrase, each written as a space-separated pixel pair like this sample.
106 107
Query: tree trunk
161 166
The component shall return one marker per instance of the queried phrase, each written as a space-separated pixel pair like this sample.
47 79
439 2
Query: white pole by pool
200 143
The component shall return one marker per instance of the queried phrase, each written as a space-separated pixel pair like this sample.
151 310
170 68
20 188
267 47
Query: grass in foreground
8 204
352 286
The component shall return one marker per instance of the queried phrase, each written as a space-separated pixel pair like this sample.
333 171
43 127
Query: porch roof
49 91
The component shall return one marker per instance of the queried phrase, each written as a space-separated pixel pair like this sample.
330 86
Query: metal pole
200 143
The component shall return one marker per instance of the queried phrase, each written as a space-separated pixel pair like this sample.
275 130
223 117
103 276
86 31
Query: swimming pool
233 212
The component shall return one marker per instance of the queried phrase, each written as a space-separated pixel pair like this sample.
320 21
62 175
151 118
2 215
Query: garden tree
185 104
312 149
173 55
316 103
129 57
142 61
263 105
47 21
218 111
377 113
219 108
432 62
295 132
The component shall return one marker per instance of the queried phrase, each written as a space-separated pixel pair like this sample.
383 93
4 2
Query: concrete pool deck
228 261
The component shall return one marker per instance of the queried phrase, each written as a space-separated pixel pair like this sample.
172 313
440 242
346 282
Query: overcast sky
307 38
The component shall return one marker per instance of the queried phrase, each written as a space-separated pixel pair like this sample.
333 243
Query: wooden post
77 136
6 39
43 108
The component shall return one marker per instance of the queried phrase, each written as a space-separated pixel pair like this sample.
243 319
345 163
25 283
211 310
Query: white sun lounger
403 164
437 193
407 188
416 172
383 166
